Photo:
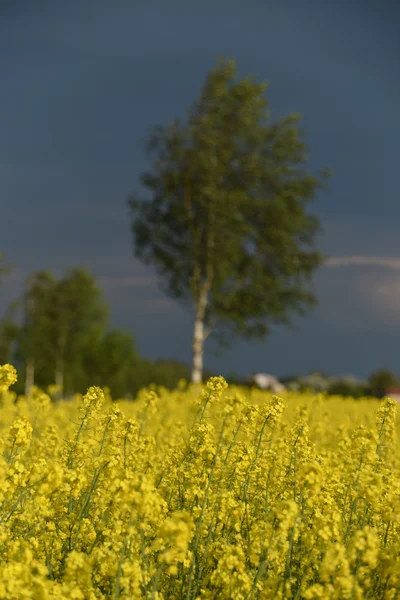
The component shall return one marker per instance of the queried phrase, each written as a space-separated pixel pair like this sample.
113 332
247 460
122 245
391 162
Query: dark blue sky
83 82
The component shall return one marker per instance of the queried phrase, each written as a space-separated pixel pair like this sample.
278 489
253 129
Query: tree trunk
60 377
198 337
29 377
197 368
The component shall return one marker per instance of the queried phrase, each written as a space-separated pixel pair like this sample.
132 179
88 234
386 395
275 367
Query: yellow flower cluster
225 493
8 376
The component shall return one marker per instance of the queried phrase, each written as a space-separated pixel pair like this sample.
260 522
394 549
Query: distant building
266 382
314 381
393 392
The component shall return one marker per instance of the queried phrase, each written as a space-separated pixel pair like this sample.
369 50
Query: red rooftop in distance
393 392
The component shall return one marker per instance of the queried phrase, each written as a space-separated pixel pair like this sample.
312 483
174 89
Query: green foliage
60 319
8 327
227 215
79 318
109 362
380 380
35 340
160 373
342 388
9 332
64 327
166 373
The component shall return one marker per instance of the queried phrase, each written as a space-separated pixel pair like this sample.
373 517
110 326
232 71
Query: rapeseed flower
226 493
8 376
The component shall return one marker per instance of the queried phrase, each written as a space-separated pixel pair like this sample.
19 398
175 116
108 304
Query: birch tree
225 221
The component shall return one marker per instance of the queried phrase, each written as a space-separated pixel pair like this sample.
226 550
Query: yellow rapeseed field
218 492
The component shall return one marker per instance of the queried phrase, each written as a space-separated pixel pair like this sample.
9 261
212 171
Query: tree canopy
225 222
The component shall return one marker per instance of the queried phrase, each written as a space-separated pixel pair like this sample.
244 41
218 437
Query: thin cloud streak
388 262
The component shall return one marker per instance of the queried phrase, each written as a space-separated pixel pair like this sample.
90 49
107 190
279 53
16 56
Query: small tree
380 380
61 319
227 226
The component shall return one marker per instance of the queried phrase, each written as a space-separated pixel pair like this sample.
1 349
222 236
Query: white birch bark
198 337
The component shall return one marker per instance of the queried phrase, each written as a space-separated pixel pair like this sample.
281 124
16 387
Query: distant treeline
57 332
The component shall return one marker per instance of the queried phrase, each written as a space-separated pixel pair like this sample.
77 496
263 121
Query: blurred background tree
380 380
9 331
